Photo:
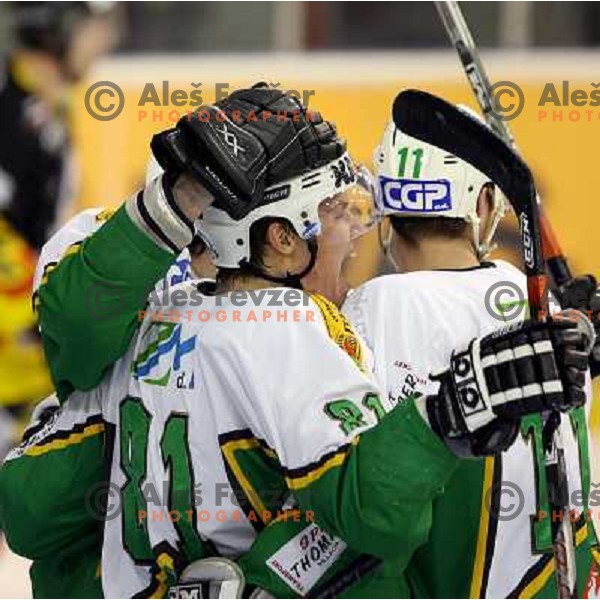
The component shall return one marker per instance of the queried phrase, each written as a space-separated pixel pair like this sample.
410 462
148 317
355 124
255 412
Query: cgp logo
410 195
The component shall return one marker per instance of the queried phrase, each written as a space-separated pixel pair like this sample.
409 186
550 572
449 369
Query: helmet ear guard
482 240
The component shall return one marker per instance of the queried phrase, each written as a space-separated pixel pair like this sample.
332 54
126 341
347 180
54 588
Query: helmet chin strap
291 280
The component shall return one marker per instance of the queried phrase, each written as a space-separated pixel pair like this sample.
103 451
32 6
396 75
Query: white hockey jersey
411 323
201 405
179 384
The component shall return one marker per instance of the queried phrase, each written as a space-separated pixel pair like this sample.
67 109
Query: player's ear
282 238
485 202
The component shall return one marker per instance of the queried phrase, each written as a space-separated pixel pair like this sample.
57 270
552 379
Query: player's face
203 266
344 218
336 227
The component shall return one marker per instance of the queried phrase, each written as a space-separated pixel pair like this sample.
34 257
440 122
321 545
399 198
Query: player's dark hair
197 246
258 243
414 229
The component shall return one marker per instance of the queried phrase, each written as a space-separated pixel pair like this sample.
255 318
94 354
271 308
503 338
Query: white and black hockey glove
583 294
538 366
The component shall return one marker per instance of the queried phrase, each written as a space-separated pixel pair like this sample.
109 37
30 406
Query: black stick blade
435 121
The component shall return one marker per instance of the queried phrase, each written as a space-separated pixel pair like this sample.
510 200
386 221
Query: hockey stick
562 534
461 38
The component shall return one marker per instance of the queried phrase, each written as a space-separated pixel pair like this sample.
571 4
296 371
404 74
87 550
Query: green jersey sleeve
72 572
88 303
46 480
377 493
51 499
365 511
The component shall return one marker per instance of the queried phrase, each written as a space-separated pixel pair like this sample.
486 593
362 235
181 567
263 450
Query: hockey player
291 411
445 293
84 269
65 472
342 421
80 276
57 44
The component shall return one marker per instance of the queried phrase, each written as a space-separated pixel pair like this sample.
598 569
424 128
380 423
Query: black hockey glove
538 366
583 294
252 139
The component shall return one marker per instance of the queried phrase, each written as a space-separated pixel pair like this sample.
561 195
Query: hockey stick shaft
461 38
528 210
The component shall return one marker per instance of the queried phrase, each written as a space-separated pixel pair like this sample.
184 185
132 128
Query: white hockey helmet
153 170
417 179
297 200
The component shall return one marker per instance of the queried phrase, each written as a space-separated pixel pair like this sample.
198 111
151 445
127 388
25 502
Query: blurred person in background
56 43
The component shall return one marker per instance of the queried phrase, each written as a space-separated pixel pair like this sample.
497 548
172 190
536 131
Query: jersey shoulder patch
340 330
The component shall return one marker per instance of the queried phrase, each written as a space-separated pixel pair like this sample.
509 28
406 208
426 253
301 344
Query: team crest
164 341
340 330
